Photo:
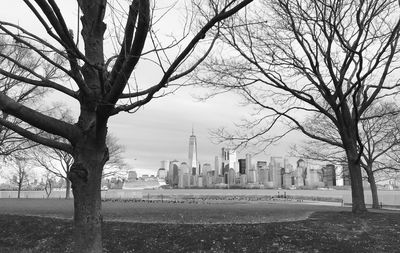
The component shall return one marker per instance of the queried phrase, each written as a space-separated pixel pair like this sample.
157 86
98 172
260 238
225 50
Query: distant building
200 181
229 160
248 163
242 166
275 174
301 173
225 168
193 152
132 175
184 168
200 169
206 168
346 175
329 175
174 173
263 176
261 165
217 166
161 173
186 180
231 177
252 177
224 160
165 164
233 164
243 180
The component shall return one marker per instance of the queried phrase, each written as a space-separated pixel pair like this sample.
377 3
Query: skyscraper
225 161
242 166
233 162
193 151
217 166
248 163
165 164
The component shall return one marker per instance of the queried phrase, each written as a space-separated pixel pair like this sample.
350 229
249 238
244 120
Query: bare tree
55 162
380 137
49 182
100 82
392 172
19 174
295 58
116 164
380 134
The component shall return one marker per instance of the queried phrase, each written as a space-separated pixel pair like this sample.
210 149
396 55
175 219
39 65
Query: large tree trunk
67 189
348 133
374 190
87 216
85 176
357 189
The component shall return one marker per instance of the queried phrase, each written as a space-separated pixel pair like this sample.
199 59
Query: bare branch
35 137
38 119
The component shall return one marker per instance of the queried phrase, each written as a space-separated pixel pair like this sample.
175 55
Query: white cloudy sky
160 130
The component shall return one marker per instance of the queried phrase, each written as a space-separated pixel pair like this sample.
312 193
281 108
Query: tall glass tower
193 151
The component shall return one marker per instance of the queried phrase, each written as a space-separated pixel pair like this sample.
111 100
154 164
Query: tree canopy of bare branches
293 58
21 65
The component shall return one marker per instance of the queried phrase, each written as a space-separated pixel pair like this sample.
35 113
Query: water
389 198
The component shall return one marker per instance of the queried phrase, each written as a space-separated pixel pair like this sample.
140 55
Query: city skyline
224 159
147 158
231 171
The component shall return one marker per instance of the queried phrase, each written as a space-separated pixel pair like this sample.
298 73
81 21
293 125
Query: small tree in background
49 183
20 173
58 163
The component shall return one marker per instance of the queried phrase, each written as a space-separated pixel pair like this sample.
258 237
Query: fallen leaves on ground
322 232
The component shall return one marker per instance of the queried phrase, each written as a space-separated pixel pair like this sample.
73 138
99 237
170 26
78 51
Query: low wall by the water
390 198
59 194
387 198
33 194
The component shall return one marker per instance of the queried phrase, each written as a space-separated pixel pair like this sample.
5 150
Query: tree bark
19 190
374 190
357 189
48 188
85 176
67 189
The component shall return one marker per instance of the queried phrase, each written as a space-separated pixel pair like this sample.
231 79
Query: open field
167 227
253 212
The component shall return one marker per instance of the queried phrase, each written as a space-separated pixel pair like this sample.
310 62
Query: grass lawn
323 231
144 212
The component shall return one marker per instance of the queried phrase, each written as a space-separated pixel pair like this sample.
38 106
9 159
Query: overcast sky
160 130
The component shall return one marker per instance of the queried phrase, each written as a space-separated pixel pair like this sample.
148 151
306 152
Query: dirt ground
212 228
321 232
